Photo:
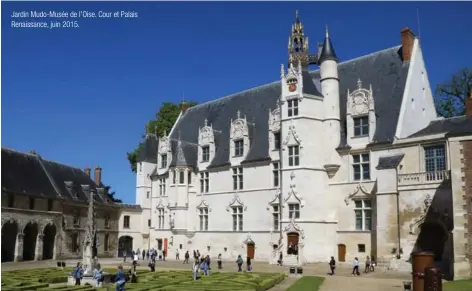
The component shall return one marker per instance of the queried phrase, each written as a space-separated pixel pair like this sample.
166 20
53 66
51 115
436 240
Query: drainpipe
398 215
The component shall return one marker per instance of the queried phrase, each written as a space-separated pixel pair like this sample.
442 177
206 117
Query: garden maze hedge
40 280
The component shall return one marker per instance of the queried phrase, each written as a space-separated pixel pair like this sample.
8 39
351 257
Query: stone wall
467 179
69 219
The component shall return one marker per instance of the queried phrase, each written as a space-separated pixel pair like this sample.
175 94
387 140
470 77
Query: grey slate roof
384 70
461 125
389 162
29 174
148 149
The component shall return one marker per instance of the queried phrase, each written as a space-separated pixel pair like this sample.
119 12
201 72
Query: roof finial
165 133
238 114
205 122
326 31
297 16
282 71
155 130
179 135
359 83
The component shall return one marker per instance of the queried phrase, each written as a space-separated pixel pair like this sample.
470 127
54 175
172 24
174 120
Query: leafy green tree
165 119
451 95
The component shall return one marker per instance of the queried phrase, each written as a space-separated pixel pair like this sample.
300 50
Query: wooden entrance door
251 248
341 253
292 239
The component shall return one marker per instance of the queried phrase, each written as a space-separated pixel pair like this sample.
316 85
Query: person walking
220 262
98 275
367 265
78 273
186 257
239 262
177 258
248 264
355 267
332 265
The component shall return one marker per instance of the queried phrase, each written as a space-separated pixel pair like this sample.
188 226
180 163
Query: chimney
184 106
468 105
408 39
98 176
87 171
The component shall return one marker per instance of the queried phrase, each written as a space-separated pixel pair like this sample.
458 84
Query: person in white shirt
355 267
135 259
195 270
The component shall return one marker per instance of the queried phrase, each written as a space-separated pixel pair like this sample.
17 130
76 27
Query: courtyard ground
343 280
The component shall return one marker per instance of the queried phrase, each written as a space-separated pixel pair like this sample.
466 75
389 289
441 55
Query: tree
451 95
111 195
162 124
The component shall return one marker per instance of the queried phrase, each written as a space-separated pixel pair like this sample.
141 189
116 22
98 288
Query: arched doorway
251 249
292 243
341 253
432 238
9 234
29 241
125 244
49 241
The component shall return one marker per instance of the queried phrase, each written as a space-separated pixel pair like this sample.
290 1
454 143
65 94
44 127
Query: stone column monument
90 231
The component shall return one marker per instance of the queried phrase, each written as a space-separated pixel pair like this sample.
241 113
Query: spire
298 43
327 53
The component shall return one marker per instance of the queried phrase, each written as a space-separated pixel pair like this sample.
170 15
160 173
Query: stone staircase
291 260
394 264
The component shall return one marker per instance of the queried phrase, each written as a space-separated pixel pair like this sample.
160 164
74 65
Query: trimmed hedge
39 279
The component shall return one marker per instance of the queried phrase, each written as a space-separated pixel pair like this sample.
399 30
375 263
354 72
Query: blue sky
82 96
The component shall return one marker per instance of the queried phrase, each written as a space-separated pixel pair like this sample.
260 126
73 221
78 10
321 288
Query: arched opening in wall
125 245
432 238
9 234
292 243
251 249
49 241
29 241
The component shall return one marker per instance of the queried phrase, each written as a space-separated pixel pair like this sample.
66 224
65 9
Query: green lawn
39 280
460 285
307 283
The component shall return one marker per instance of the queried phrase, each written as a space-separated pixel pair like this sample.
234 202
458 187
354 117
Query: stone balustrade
423 178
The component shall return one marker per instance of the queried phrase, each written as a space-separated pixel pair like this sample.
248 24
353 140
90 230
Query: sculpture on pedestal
90 232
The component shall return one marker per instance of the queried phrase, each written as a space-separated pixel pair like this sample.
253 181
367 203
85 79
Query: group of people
370 264
145 254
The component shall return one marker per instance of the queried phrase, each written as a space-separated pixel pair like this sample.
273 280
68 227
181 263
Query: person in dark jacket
332 265
248 264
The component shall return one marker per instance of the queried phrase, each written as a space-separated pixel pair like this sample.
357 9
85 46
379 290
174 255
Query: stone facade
331 162
40 221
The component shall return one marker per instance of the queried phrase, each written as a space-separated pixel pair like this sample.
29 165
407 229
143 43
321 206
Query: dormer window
361 126
206 154
163 161
292 107
238 148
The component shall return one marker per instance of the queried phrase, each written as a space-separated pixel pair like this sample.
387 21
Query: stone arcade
44 209
343 159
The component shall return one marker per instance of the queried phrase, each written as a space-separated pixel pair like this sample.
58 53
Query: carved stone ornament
206 135
161 205
248 239
293 197
164 144
7 219
359 189
426 206
236 201
274 200
292 132
331 169
292 226
274 120
239 128
360 101
203 204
